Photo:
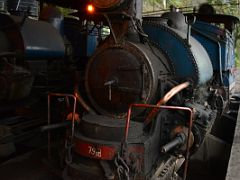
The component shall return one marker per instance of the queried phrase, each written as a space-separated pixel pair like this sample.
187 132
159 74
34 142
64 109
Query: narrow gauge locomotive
36 47
156 86
24 48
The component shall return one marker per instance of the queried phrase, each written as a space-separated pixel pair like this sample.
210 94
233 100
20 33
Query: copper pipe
82 102
165 99
128 122
77 94
164 107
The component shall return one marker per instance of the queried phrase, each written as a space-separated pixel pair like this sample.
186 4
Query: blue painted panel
188 60
175 49
209 36
41 40
91 40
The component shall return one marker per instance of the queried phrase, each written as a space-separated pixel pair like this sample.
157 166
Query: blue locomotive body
206 41
188 57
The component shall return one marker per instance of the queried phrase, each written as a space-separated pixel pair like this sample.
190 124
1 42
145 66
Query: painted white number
95 151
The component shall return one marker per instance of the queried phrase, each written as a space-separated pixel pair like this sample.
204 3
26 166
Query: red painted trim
95 151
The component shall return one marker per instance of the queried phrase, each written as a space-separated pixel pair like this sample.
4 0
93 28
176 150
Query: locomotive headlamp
90 8
103 4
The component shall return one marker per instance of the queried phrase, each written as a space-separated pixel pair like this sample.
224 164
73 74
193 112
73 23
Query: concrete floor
30 166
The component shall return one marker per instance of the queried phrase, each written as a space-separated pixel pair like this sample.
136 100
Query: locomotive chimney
138 9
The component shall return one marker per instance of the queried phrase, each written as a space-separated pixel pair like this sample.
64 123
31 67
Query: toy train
154 87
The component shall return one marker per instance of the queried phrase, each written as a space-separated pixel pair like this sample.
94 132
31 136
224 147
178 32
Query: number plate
95 151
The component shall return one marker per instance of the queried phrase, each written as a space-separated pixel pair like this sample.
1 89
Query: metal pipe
73 116
83 103
49 134
54 126
178 140
138 8
190 20
165 99
188 33
77 94
188 146
111 28
18 4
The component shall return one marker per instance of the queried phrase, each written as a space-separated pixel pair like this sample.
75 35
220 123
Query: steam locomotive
154 88
34 50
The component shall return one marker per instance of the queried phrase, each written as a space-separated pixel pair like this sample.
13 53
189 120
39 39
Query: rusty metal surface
233 172
129 76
